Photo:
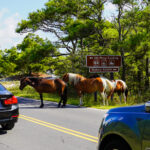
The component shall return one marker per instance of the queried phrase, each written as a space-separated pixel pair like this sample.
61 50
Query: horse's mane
75 78
36 80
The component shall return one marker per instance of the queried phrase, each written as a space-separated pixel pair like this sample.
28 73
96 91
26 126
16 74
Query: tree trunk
147 74
139 79
120 41
123 66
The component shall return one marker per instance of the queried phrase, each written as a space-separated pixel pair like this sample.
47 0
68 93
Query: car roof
2 87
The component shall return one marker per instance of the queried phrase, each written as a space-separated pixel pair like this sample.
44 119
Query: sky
13 11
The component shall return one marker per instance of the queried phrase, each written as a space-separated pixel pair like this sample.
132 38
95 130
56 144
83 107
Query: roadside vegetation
82 29
73 99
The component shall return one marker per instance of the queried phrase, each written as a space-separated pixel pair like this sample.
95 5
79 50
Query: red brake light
10 101
15 116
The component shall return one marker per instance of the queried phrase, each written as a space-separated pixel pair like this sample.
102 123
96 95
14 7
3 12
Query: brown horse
121 88
42 85
89 85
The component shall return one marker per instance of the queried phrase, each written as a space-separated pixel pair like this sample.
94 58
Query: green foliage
88 99
33 52
81 30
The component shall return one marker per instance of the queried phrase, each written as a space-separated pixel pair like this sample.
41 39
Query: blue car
126 128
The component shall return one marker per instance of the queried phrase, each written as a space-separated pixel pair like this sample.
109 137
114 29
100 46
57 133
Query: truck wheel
116 144
8 126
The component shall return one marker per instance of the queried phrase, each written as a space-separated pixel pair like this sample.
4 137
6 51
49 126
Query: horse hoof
41 106
63 106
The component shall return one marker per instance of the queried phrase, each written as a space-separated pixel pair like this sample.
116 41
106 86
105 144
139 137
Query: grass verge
73 99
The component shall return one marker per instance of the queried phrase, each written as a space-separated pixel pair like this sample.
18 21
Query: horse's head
24 82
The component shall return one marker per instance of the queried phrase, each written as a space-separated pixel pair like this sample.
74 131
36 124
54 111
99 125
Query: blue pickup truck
126 128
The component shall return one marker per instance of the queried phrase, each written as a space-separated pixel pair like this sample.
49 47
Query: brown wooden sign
103 61
100 70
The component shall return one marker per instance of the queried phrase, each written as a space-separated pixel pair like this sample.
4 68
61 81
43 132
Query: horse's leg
41 97
119 94
60 94
103 96
125 95
81 102
64 97
80 97
60 101
64 101
125 98
106 99
112 97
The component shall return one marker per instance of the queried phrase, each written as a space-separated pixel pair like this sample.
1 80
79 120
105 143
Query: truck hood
136 108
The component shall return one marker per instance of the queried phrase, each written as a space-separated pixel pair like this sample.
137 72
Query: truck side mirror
147 107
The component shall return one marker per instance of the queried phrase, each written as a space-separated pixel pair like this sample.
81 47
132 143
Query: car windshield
2 88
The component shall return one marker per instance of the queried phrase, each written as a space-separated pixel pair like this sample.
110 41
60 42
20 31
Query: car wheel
8 126
116 145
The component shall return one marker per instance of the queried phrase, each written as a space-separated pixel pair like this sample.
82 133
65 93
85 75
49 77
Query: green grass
88 99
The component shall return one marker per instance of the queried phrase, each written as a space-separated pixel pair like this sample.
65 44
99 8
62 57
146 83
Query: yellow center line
61 129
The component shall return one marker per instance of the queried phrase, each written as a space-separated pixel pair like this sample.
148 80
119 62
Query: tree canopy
81 29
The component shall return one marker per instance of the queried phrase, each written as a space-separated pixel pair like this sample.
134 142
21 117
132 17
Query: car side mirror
147 106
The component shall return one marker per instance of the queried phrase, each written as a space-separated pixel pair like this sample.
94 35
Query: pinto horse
89 85
121 88
42 85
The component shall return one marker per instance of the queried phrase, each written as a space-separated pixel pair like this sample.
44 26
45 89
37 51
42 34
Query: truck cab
126 128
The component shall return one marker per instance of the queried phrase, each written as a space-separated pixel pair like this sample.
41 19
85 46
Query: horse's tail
62 90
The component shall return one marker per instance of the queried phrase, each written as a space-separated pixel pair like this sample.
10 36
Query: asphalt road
52 128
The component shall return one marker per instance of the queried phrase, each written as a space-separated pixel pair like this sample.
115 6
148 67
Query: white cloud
8 24
8 36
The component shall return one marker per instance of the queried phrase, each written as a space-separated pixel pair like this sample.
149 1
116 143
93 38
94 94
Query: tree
145 23
8 59
72 24
144 47
123 25
136 45
35 54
